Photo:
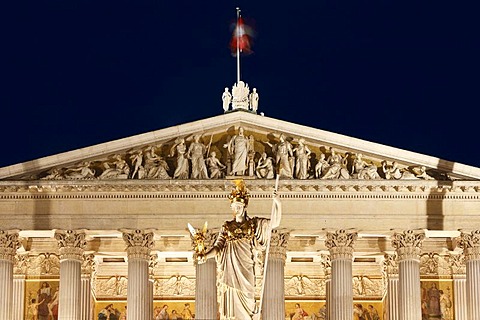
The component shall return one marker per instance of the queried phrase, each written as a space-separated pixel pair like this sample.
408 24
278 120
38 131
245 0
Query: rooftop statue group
287 158
240 98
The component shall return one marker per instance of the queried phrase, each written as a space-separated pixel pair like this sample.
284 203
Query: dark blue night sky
399 73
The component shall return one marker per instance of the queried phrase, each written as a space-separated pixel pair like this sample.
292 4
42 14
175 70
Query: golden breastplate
237 231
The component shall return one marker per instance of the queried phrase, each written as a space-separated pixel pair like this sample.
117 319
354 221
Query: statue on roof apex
226 98
254 100
240 93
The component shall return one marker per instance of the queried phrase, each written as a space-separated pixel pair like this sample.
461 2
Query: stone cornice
313 189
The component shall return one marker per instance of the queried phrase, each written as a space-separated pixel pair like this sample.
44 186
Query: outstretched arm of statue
276 217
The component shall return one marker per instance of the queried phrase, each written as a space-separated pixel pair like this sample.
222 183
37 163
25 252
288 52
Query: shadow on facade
435 201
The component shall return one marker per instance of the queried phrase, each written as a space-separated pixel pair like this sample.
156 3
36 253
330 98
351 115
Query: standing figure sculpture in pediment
283 157
196 153
155 166
302 166
238 148
118 169
137 163
180 149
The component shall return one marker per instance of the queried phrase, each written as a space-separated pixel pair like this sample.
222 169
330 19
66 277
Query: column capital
9 243
340 243
390 264
89 265
71 244
408 244
139 243
457 263
470 243
278 244
326 264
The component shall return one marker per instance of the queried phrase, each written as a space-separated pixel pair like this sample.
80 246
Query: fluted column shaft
8 248
460 297
408 245
18 297
71 245
88 268
340 244
392 298
470 243
274 292
139 244
206 306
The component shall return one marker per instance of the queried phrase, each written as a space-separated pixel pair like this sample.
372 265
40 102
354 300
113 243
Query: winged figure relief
300 285
112 287
178 285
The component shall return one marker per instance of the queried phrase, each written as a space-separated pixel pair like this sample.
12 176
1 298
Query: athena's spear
258 315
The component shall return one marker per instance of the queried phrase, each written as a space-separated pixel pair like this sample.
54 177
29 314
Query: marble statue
118 169
337 167
180 149
321 166
235 250
82 171
363 170
196 153
226 98
283 157
265 168
155 166
240 92
393 172
215 167
238 148
254 100
137 160
302 165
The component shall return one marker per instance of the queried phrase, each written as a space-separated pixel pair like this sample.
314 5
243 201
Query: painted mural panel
316 310
172 310
41 299
437 300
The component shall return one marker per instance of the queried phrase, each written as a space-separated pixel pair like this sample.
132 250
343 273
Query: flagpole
238 46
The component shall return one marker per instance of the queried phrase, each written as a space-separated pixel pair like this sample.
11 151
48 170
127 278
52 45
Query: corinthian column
408 247
327 270
71 244
340 245
273 305
470 243
390 271
457 264
88 268
206 306
139 244
9 244
19 271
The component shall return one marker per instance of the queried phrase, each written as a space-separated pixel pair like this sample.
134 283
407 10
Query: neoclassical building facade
368 231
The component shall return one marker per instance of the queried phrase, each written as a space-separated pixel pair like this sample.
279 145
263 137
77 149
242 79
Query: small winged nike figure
198 240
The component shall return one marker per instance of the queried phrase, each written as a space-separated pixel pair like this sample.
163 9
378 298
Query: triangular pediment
126 158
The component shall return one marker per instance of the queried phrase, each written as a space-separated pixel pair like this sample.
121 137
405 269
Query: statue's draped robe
239 146
237 244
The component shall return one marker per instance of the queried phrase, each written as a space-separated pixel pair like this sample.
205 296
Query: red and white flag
241 38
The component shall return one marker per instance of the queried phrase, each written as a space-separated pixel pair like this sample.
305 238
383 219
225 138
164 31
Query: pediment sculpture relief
238 153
